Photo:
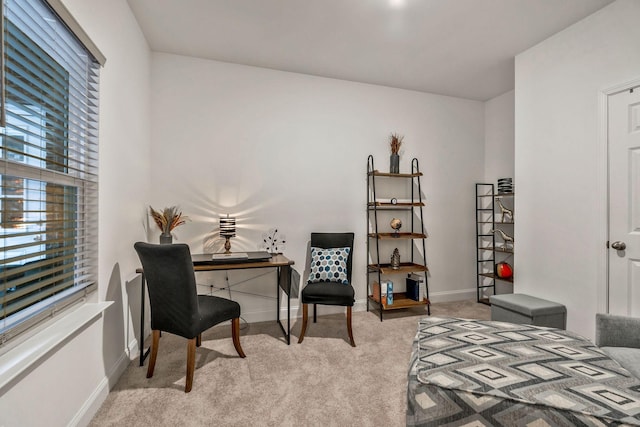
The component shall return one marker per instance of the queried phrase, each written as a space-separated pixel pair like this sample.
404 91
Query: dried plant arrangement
396 142
167 219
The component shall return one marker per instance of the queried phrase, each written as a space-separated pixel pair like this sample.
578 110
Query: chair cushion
328 293
629 358
329 265
214 310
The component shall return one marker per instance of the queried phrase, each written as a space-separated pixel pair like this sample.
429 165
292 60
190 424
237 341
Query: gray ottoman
525 309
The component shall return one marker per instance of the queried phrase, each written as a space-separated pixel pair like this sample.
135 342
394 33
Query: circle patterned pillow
329 265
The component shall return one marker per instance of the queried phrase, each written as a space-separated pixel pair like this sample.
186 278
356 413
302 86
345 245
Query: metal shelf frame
418 264
485 216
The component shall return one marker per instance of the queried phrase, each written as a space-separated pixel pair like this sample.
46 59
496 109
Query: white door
624 202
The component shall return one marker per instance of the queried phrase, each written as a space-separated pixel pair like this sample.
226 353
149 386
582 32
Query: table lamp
227 230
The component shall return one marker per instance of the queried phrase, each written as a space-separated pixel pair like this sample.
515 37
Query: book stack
505 185
415 287
386 293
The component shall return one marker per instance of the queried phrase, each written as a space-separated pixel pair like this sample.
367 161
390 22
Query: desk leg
289 312
284 275
143 354
278 295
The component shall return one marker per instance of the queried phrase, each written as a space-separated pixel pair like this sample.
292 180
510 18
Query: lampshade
228 227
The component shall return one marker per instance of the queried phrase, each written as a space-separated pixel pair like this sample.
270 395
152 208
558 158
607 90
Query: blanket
484 373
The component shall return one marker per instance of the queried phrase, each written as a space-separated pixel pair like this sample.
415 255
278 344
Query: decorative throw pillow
329 265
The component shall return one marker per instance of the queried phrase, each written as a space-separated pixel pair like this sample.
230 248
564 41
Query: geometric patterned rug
474 372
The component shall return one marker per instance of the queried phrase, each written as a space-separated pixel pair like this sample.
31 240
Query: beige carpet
321 382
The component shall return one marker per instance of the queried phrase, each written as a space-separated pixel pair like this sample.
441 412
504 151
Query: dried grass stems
167 219
396 142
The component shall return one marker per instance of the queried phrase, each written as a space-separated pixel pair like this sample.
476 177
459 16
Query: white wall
70 383
560 199
273 148
499 135
277 150
286 150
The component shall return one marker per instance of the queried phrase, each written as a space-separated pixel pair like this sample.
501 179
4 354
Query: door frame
603 188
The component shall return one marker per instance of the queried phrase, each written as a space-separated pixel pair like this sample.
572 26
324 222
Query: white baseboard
133 350
118 369
90 407
359 305
95 400
449 296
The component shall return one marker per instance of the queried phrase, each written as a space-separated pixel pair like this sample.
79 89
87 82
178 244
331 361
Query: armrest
617 331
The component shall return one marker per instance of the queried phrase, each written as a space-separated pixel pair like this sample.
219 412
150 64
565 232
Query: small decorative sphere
504 270
396 224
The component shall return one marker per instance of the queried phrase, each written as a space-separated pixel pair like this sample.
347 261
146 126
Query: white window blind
49 175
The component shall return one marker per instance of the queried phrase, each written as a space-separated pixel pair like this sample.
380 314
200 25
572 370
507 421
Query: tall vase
394 163
166 239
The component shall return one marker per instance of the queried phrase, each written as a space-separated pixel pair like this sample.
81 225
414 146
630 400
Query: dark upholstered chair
332 290
176 307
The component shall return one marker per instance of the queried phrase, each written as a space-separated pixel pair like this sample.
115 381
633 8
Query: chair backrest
168 270
335 240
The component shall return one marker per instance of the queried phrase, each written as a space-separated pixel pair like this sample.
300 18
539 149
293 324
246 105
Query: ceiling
462 48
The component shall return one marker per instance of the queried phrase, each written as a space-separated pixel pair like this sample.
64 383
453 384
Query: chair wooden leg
154 352
191 364
199 340
235 332
315 319
353 343
305 314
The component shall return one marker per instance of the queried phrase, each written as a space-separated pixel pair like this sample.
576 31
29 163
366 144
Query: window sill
18 359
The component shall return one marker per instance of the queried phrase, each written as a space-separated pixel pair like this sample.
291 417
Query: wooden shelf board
491 248
506 251
397 236
497 222
497 195
400 300
390 208
405 267
396 205
395 175
493 276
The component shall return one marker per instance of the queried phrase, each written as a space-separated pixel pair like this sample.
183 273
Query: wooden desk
203 262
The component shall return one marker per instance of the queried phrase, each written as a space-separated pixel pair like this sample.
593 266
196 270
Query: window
49 160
